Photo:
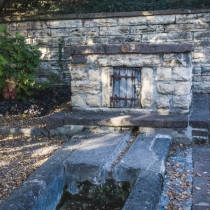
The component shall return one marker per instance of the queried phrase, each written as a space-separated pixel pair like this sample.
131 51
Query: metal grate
126 87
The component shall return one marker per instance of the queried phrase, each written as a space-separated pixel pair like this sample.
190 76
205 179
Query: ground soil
19 155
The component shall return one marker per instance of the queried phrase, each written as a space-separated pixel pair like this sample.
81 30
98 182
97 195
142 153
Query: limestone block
124 39
106 88
201 87
59 32
78 73
100 22
132 21
94 75
205 70
134 60
51 42
182 74
85 87
75 40
166 88
167 37
93 100
31 25
173 60
65 23
201 35
182 102
147 29
193 18
203 43
147 93
159 19
10 26
77 100
201 78
117 30
75 32
183 88
201 56
96 40
162 102
197 70
176 88
200 26
39 33
32 41
164 73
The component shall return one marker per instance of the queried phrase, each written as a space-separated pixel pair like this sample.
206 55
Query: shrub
18 64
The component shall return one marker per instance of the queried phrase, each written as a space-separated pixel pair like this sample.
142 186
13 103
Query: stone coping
129 48
100 15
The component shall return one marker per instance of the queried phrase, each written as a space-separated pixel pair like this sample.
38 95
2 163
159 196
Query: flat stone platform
197 118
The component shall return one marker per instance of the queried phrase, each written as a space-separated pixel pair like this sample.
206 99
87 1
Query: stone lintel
133 48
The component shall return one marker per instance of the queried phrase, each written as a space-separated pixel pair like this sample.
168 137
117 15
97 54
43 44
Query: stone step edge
33 132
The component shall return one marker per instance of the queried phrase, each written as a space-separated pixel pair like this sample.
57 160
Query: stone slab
145 193
44 187
133 48
202 167
199 117
201 197
79 59
116 119
92 161
201 153
146 153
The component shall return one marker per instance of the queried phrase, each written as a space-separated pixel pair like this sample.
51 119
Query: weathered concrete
146 153
118 119
95 157
146 192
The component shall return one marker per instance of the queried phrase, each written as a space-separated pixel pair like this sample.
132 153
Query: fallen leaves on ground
20 156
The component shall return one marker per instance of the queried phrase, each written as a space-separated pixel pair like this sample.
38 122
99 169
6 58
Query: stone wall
117 28
166 80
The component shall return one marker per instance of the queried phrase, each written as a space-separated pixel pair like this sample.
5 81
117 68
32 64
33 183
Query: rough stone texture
78 73
128 60
147 87
182 74
134 48
182 102
168 27
85 87
164 73
94 75
152 151
146 192
93 101
77 100
95 156
163 102
172 88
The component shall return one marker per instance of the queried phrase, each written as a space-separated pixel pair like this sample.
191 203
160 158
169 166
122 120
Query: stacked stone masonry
178 28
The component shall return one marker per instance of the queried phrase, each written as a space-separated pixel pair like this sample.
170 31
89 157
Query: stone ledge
100 15
113 119
131 48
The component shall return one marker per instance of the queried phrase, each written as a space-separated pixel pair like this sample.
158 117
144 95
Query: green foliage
37 7
18 64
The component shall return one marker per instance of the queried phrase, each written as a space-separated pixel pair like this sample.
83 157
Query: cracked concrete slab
146 153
